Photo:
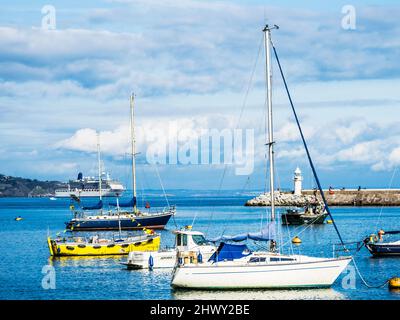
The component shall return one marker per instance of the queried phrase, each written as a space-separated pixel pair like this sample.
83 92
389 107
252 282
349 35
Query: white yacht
236 267
186 241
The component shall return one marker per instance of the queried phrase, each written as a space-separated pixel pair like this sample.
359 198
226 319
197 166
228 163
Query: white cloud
189 62
348 133
294 154
364 152
394 156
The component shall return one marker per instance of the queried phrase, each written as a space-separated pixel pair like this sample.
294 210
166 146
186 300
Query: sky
193 66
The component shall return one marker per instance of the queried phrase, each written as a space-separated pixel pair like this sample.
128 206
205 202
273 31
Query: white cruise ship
89 187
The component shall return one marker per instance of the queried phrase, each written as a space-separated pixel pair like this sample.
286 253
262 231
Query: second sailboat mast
99 164
267 38
133 141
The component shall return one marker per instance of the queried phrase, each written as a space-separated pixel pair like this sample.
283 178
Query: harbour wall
342 197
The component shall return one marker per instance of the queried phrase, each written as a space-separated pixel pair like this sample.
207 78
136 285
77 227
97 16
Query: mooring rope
365 282
165 195
381 210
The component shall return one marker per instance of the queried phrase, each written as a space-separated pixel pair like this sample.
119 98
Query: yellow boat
78 246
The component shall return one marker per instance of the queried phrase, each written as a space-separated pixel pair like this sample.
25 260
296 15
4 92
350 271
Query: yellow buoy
394 283
296 240
18 219
329 221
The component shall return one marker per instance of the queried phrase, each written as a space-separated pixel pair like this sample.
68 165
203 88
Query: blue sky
189 63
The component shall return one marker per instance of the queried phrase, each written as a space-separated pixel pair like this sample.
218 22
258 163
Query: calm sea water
24 251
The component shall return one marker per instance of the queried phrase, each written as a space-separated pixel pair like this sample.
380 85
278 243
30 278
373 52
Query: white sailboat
121 218
236 267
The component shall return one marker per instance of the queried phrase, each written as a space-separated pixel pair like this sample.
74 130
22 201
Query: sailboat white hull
320 273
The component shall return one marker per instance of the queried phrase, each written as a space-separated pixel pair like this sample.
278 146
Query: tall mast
133 150
99 163
270 143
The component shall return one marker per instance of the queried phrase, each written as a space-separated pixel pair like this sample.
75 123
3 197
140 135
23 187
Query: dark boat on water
96 218
378 247
125 221
119 219
311 215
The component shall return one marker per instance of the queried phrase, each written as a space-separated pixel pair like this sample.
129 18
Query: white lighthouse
297 179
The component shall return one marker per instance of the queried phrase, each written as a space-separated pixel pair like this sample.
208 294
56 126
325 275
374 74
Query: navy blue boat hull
384 250
151 222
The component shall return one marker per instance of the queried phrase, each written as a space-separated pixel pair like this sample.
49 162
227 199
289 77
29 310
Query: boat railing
163 210
346 248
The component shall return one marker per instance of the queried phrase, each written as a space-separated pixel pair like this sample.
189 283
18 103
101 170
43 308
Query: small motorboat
19 218
95 246
185 240
377 246
312 214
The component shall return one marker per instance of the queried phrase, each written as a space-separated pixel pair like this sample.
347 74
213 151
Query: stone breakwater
349 197
282 199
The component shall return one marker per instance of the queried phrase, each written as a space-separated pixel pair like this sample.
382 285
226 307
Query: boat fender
151 262
199 257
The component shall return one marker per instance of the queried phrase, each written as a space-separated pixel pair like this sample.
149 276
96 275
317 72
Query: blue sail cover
129 204
266 234
230 252
97 206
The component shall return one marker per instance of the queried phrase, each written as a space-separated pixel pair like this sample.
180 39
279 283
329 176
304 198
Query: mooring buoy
329 221
394 283
296 240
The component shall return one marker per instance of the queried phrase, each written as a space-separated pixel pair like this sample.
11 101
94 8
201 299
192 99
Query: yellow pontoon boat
79 246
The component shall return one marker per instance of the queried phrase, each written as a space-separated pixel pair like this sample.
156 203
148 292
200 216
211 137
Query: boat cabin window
257 259
199 239
281 259
181 240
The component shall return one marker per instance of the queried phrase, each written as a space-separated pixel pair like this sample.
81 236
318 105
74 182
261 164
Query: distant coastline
32 188
22 187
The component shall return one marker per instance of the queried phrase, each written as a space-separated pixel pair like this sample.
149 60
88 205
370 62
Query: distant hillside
20 187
